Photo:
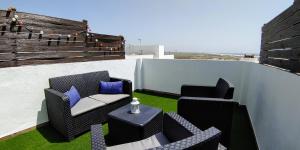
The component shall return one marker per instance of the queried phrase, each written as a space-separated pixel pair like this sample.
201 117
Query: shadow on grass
48 132
51 135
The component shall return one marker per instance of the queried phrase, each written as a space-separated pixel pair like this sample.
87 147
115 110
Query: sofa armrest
127 85
97 138
59 111
197 91
173 118
208 112
229 94
208 140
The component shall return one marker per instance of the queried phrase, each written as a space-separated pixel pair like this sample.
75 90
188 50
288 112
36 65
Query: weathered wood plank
107 37
103 44
16 45
283 44
60 48
297 3
291 65
5 42
7 56
45 21
7 64
37 29
287 20
56 55
282 22
35 36
280 44
31 43
111 48
4 20
281 17
290 32
285 54
53 24
51 48
278 63
7 46
6 49
14 35
51 20
68 60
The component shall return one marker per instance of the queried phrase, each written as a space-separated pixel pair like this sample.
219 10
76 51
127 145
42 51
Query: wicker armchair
206 106
178 134
78 119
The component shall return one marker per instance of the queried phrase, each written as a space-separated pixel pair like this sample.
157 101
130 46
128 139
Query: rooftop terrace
47 138
270 95
267 96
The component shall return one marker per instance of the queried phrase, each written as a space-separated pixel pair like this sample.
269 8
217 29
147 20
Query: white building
146 51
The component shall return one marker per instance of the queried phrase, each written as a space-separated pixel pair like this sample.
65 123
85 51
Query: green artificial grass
47 138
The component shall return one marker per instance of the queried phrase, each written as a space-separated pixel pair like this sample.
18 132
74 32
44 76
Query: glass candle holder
135 106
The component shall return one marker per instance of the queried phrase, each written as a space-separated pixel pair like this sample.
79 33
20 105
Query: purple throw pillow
111 87
73 96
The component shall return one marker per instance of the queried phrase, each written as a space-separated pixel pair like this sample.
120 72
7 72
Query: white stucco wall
139 56
271 95
273 102
22 102
169 75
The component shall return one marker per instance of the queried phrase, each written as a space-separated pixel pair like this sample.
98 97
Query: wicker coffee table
126 127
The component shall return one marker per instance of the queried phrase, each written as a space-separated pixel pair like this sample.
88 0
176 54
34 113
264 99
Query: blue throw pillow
73 95
111 87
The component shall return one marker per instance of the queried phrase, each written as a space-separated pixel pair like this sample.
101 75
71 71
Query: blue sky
224 26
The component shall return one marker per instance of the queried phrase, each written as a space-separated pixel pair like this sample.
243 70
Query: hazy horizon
209 26
200 52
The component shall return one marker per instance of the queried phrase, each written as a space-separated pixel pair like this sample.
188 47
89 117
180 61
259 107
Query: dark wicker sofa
206 106
177 134
92 107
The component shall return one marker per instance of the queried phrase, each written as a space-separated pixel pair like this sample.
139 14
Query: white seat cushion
84 105
108 98
151 142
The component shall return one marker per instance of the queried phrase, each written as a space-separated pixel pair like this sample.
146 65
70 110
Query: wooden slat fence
280 44
38 39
